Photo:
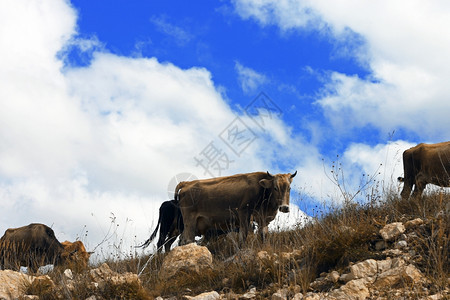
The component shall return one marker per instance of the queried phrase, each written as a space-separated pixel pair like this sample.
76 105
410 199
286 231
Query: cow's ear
266 183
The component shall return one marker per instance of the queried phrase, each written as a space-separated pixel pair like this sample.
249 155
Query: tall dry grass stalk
332 240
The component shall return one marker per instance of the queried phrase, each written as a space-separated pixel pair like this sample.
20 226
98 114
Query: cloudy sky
105 104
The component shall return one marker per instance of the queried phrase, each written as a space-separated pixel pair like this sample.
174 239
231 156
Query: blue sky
212 35
104 104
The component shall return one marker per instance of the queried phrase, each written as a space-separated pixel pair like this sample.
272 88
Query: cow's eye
276 189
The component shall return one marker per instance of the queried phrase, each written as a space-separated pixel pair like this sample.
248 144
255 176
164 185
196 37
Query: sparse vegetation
343 235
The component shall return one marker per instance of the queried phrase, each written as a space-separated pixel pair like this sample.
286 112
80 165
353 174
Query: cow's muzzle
284 208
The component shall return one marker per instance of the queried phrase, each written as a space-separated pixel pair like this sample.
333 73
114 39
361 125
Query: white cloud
287 14
381 163
404 49
384 159
249 79
89 147
180 35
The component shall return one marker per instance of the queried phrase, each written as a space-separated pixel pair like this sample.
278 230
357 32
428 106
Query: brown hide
424 164
225 203
32 246
75 255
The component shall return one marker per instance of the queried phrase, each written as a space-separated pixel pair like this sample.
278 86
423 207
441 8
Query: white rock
391 231
414 223
384 265
187 258
364 269
333 276
68 274
352 290
204 296
401 244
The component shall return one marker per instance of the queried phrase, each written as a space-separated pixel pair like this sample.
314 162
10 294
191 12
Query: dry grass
342 235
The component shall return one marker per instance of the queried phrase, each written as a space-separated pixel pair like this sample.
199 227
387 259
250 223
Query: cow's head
280 186
75 254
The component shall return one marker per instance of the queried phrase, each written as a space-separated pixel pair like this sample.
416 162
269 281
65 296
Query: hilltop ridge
387 248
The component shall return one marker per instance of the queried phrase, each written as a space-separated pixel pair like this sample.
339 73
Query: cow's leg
188 235
420 185
244 221
160 242
407 187
406 192
263 230
169 242
262 226
418 190
171 237
167 227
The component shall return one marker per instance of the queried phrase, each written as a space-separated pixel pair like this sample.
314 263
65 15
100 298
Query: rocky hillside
384 249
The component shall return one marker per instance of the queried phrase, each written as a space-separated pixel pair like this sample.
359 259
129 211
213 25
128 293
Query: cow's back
436 163
32 245
220 191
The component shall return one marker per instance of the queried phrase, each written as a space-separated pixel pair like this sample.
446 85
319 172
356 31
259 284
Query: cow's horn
293 175
270 175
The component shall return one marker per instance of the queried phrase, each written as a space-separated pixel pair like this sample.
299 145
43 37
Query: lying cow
229 202
35 245
423 164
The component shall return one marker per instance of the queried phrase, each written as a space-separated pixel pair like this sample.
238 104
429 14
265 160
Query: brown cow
170 225
35 245
423 164
75 255
229 202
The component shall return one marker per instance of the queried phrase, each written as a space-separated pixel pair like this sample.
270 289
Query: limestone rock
12 284
68 274
311 296
204 296
364 269
352 290
278 296
298 296
103 274
413 223
401 244
398 274
249 295
29 297
188 258
333 276
384 265
391 231
281 294
412 274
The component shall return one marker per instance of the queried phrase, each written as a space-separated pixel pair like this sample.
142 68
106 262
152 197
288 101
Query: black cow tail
153 235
